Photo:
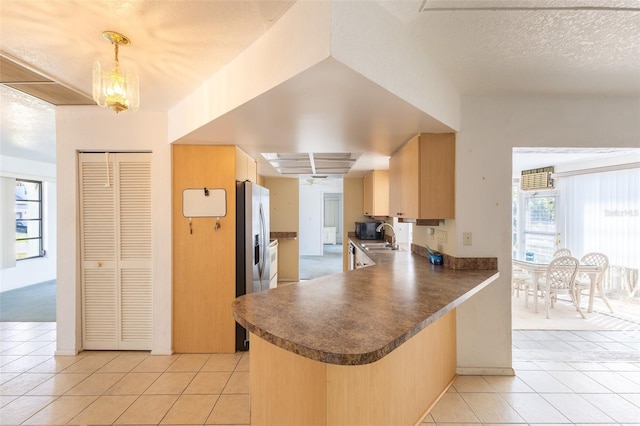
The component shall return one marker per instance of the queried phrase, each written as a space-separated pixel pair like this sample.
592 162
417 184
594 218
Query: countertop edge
362 358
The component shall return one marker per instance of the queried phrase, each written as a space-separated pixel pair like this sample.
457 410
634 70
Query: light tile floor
562 377
38 388
563 316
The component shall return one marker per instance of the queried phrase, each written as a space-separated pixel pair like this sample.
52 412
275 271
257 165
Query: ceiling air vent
536 179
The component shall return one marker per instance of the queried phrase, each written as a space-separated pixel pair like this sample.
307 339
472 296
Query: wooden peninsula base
399 389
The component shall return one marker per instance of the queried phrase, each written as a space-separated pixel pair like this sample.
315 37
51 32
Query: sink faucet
393 237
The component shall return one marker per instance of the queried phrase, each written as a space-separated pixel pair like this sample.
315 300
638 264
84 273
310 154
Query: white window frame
520 229
39 220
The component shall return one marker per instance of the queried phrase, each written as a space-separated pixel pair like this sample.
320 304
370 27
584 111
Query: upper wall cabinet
376 193
422 178
246 167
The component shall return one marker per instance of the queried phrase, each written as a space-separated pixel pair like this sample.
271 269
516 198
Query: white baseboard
162 352
66 353
484 371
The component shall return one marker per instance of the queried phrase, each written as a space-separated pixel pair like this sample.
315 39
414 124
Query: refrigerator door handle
263 245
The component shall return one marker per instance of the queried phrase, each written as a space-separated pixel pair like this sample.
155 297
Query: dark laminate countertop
358 317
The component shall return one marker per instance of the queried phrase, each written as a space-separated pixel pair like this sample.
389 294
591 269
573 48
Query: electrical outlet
442 236
466 238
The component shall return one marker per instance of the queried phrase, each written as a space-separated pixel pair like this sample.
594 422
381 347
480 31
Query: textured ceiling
28 127
177 44
531 50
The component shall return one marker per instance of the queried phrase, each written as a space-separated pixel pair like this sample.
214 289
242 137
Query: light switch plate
442 236
466 238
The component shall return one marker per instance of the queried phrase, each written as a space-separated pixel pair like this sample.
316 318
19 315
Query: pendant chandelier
118 88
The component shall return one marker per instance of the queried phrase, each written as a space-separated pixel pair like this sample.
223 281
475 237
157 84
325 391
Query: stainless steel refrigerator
252 246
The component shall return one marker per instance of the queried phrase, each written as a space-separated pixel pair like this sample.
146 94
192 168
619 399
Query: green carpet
34 303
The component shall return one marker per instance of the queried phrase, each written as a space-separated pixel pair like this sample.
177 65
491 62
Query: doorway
332 218
582 208
321 207
28 273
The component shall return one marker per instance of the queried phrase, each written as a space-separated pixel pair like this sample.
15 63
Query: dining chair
520 281
560 279
562 252
583 281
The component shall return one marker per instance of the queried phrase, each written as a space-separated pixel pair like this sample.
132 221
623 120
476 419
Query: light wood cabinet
204 257
422 178
404 172
384 392
376 193
252 170
246 167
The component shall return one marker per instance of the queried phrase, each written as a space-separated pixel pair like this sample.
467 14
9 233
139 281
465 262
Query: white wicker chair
520 281
562 252
560 279
583 283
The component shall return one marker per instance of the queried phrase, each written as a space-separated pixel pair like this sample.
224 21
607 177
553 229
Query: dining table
538 269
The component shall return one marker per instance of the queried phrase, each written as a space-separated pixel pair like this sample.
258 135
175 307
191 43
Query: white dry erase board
204 202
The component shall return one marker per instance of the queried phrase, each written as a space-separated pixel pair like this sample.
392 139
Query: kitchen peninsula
371 346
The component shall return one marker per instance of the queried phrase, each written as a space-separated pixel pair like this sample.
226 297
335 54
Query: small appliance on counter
435 258
367 231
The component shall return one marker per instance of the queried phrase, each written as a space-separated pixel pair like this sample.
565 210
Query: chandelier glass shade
114 85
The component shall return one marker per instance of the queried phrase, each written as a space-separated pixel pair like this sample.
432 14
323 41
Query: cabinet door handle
399 214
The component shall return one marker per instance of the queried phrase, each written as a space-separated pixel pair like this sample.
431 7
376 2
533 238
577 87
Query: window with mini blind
589 211
540 226
28 194
603 215
535 226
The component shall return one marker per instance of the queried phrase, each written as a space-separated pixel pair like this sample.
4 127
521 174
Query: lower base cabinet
399 389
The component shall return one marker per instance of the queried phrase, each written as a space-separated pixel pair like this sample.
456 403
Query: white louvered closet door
115 218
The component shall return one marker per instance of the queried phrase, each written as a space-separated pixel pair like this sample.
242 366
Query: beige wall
421 236
89 128
492 127
284 206
353 191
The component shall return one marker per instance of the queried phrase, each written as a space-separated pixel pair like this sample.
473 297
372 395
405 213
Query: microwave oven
367 231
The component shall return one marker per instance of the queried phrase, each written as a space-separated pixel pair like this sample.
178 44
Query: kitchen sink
378 246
